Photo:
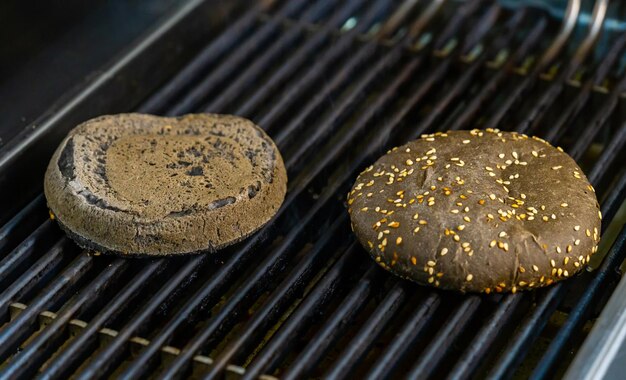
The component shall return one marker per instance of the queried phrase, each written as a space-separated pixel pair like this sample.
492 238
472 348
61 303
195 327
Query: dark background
49 47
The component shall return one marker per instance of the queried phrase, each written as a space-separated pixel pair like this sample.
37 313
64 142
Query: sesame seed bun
477 211
137 184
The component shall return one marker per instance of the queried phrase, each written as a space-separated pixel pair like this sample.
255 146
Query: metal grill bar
283 340
429 359
15 333
245 295
316 349
49 263
408 335
228 67
84 343
217 48
576 106
277 302
17 228
26 364
374 326
275 51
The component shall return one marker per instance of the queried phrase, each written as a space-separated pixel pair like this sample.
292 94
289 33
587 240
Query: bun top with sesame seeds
146 185
477 211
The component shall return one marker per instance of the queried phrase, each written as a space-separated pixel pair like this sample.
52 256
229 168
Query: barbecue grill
335 83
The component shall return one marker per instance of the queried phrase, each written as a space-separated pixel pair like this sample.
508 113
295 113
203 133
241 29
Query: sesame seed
587 232
556 167
430 263
564 204
416 216
501 155
545 218
514 154
569 248
423 222
461 227
565 260
535 154
502 234
467 219
456 238
469 278
466 141
384 242
394 224
409 162
577 242
413 260
416 230
492 196
399 240
558 249
535 268
444 251
576 228
553 216
552 263
493 243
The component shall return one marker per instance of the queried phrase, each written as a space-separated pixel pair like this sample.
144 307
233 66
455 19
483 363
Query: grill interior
336 84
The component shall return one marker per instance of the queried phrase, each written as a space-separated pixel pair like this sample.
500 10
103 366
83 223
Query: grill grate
335 84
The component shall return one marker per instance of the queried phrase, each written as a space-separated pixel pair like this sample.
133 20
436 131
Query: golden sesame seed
564 204
565 260
493 243
423 222
469 278
456 238
576 228
444 251
413 260
577 242
502 234
514 154
558 249
535 154
501 155
559 272
587 232
399 240
466 141
394 224
553 263
556 167
416 230
430 263
535 268
467 219
569 248
461 227
545 218
409 162
384 242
